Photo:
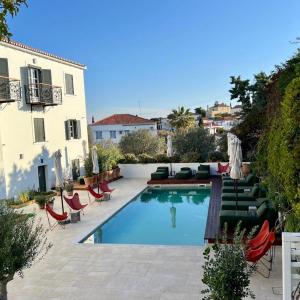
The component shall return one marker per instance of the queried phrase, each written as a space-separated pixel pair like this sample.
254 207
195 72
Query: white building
114 127
42 109
163 124
213 126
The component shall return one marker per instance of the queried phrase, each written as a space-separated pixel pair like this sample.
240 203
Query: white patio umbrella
95 163
236 167
170 149
59 175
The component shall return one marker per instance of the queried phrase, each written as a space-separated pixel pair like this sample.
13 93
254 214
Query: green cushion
239 197
241 205
202 175
230 189
262 209
185 169
159 175
204 168
183 175
162 169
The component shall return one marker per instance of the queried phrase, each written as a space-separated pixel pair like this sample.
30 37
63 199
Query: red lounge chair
260 237
255 255
59 218
223 169
74 203
104 187
94 194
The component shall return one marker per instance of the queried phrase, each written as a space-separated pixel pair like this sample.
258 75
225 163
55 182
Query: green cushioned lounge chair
241 189
246 196
184 173
161 173
242 205
250 180
203 172
249 219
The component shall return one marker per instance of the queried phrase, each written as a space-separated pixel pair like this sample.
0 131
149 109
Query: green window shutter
39 130
69 84
4 87
78 130
67 130
46 76
4 67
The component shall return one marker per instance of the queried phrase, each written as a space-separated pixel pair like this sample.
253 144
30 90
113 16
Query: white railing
290 265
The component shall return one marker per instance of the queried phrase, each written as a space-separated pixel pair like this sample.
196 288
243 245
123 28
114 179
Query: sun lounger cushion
203 172
250 180
161 173
184 173
241 205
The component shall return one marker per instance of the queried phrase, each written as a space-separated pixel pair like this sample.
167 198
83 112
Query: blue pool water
158 217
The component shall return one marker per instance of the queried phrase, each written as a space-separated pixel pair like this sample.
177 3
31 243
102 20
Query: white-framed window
127 131
69 84
99 135
113 134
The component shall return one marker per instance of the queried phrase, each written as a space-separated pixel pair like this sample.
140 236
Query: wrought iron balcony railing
43 94
10 89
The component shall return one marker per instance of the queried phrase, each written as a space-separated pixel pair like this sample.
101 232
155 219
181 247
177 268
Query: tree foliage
181 119
226 273
8 8
142 142
196 140
23 241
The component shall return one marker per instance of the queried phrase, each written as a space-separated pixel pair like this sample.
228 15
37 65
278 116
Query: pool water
158 217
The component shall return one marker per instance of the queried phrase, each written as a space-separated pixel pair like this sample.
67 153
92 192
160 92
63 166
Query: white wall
120 131
16 124
145 170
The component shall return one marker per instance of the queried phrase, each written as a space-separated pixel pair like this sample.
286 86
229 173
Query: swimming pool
157 216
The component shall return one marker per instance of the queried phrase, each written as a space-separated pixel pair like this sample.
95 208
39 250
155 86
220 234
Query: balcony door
34 82
42 178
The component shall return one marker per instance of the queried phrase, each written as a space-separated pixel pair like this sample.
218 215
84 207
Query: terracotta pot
246 169
114 175
118 171
51 204
110 174
42 206
101 177
88 181
95 179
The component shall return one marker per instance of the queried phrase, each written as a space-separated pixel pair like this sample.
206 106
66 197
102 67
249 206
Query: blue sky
149 56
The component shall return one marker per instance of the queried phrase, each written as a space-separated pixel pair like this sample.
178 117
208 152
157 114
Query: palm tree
181 119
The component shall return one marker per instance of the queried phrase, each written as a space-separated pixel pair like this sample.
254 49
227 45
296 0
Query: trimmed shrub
190 157
216 156
130 158
146 158
163 158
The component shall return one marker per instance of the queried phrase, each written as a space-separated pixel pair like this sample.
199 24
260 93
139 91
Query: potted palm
69 187
88 166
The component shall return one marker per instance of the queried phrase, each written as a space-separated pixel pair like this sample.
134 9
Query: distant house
114 127
236 110
213 126
163 124
218 109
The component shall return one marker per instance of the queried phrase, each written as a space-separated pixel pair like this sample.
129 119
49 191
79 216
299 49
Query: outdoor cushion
183 174
202 175
249 219
242 205
159 175
246 196
249 180
204 168
164 169
240 189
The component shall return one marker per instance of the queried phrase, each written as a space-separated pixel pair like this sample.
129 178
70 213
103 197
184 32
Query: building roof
23 46
123 119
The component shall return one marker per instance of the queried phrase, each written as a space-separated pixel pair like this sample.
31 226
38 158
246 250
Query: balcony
10 90
43 94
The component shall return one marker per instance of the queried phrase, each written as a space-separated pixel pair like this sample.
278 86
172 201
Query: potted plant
50 201
41 200
88 166
69 187
224 282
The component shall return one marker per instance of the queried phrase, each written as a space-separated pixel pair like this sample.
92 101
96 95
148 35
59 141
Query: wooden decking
212 228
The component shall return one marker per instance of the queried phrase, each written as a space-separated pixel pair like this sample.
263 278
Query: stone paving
85 271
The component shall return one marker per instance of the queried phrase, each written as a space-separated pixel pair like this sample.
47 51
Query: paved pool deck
104 271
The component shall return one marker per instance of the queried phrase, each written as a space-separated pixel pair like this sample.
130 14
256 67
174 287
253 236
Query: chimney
93 120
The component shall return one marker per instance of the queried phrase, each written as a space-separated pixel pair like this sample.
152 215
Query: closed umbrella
59 175
236 159
95 163
169 150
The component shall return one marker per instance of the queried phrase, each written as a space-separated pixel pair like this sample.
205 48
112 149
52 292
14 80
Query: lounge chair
250 180
59 218
260 238
245 196
184 173
97 196
203 172
242 205
74 203
258 254
105 188
249 219
160 173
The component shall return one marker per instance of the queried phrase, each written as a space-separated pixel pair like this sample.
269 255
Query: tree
181 119
196 140
8 7
202 113
142 142
23 241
